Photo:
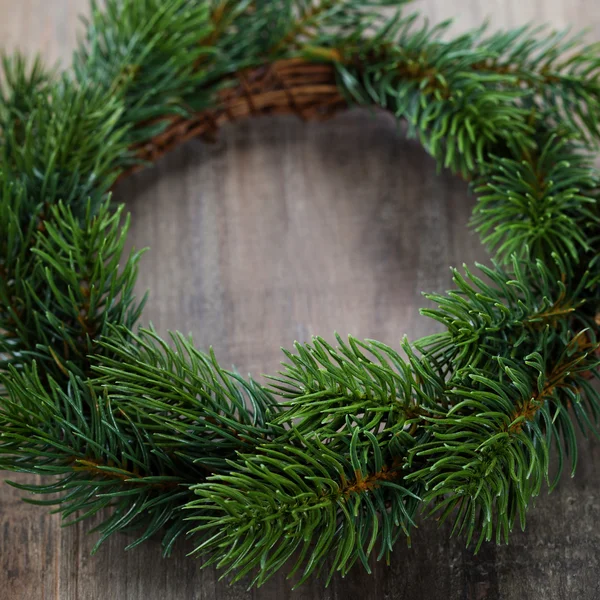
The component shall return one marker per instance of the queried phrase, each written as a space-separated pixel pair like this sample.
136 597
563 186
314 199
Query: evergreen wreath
332 460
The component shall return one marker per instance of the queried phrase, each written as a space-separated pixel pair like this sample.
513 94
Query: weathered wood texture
278 231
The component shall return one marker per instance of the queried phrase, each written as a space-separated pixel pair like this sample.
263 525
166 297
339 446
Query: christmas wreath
332 461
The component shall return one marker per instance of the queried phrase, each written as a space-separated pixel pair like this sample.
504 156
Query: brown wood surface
279 231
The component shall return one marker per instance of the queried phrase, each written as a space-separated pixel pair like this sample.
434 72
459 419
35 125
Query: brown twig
292 86
97 468
558 378
363 484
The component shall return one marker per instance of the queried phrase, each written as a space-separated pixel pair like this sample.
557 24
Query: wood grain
279 231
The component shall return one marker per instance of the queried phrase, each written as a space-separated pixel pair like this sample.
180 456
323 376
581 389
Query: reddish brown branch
363 484
292 86
560 377
95 468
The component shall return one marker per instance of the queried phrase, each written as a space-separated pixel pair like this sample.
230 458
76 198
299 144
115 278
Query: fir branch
186 404
561 376
273 504
64 286
517 308
95 462
490 455
358 384
303 23
543 205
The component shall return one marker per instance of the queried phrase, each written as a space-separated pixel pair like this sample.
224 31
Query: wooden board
279 231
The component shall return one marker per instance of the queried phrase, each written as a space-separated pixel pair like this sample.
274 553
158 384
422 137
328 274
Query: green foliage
488 314
488 456
71 434
308 503
543 204
39 151
145 54
182 399
64 284
23 84
332 462
358 384
560 68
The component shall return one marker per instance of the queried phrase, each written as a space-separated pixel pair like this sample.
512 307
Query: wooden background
279 231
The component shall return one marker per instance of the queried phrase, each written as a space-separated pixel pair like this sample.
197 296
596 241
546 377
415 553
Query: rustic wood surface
278 231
